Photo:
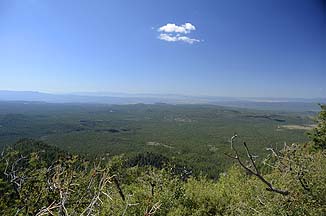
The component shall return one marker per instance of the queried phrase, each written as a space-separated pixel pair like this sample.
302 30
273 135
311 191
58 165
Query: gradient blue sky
271 48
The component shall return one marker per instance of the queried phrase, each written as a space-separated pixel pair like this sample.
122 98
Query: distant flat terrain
198 134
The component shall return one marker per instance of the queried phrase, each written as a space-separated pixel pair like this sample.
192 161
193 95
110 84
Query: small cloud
167 37
173 33
188 40
170 38
173 28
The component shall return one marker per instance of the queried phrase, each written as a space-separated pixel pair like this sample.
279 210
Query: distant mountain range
299 104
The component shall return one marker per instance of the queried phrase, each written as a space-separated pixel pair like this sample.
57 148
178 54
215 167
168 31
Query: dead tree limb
47 210
13 175
128 204
255 171
152 188
117 184
153 210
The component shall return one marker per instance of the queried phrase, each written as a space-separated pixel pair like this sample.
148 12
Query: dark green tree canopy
318 135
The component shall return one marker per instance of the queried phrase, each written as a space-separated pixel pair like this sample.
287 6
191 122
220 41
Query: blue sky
272 48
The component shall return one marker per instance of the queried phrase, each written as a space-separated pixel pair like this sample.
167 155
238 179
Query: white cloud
171 38
188 40
171 27
167 37
172 33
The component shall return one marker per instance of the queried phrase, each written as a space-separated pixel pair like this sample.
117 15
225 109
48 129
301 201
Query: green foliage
193 135
318 135
148 159
146 190
297 170
32 184
38 179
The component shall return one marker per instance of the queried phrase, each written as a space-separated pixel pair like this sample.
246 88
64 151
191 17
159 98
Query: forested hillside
38 179
197 136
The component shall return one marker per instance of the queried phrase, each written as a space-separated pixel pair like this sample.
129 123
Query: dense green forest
41 179
196 136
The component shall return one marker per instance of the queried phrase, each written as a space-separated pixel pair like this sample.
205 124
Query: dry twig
255 171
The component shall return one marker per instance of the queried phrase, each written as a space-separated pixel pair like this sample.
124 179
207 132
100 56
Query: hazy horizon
149 95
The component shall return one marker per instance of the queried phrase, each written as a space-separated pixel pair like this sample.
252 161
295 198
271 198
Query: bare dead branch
153 210
152 188
254 172
47 210
12 174
303 181
97 196
117 184
128 204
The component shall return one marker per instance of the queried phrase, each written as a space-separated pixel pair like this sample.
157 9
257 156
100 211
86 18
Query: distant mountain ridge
302 104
